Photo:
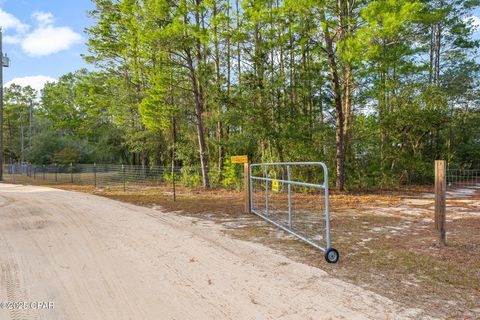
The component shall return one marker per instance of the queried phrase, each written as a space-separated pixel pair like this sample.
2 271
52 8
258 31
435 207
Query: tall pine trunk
219 130
339 107
199 122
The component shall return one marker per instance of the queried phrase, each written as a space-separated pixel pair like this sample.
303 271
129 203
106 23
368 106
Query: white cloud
9 21
43 18
36 82
16 39
46 40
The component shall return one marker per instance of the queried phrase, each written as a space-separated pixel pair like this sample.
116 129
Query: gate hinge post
246 188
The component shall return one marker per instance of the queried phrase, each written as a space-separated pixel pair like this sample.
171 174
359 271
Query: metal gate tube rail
296 183
328 250
289 231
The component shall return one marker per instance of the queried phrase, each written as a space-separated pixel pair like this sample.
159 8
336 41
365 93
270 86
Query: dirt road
95 258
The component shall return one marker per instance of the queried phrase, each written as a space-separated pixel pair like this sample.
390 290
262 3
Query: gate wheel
331 255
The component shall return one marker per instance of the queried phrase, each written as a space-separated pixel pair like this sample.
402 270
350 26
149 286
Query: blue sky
44 38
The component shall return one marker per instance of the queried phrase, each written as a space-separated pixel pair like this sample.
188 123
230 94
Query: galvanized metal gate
294 197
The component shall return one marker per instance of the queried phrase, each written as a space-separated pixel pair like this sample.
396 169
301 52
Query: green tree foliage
377 89
19 103
72 122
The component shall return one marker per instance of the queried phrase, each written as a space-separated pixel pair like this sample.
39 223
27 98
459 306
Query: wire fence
459 178
463 183
120 177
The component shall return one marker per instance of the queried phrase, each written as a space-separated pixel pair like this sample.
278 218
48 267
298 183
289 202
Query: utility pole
5 63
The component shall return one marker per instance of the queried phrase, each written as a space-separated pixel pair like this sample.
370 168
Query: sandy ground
462 202
96 258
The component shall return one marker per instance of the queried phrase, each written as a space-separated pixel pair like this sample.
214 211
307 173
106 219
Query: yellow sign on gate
275 185
239 159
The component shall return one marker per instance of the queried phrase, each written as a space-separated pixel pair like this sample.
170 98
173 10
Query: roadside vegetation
376 89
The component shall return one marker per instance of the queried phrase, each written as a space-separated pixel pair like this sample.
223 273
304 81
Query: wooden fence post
173 183
124 182
95 175
246 187
440 199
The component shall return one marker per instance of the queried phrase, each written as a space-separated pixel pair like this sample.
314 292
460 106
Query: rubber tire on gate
332 255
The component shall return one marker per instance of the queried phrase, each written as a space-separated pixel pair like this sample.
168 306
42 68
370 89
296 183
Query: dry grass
395 256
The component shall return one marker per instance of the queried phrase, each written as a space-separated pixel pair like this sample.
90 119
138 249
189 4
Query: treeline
376 89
